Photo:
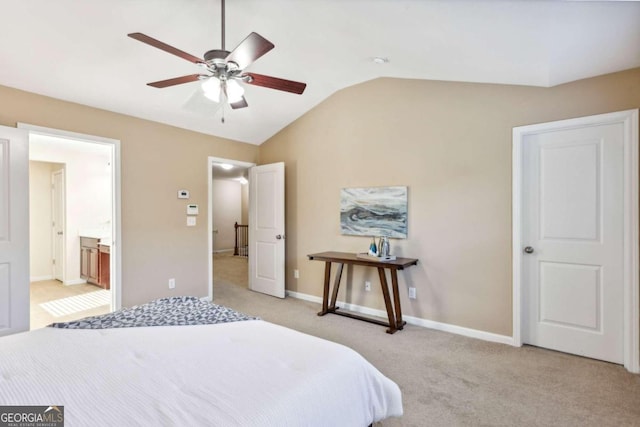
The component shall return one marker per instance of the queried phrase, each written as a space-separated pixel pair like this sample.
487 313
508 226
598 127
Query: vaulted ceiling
78 50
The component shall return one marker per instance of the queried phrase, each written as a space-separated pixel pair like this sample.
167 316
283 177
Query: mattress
247 373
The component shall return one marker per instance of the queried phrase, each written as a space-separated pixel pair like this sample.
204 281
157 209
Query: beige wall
157 160
450 143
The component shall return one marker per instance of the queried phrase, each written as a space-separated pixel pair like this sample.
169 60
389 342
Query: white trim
116 214
116 267
40 278
210 161
74 282
304 297
444 327
631 243
516 255
629 118
219 251
82 137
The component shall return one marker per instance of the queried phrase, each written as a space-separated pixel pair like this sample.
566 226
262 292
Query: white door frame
629 119
210 163
63 252
116 215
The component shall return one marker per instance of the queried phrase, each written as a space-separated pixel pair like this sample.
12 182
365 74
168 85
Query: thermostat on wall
183 194
192 209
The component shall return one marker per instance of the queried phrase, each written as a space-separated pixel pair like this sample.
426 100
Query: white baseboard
40 278
74 282
206 299
66 282
411 320
222 250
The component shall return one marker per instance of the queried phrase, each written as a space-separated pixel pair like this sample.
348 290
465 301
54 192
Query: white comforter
250 373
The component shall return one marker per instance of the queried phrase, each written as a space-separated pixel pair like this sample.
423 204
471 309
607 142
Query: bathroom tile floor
50 290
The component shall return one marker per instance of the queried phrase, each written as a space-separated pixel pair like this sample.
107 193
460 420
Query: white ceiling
77 50
232 174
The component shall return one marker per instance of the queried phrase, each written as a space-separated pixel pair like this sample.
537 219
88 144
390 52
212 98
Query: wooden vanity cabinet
95 262
104 261
89 262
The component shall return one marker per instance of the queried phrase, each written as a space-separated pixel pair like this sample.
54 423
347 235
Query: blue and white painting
374 211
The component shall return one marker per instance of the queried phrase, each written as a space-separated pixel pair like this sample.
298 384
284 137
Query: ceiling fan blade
276 83
175 81
240 104
163 46
250 49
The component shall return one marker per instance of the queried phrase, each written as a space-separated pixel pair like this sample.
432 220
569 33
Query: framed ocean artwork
374 211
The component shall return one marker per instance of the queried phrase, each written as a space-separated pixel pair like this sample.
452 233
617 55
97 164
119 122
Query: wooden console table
341 258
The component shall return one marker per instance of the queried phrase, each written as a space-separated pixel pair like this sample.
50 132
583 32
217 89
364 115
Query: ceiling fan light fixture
211 88
235 91
219 83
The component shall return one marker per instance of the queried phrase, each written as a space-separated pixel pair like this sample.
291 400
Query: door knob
59 233
528 250
278 237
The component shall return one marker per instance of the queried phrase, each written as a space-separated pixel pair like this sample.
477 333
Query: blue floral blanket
172 311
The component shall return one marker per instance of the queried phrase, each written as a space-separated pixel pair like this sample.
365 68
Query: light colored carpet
450 380
230 269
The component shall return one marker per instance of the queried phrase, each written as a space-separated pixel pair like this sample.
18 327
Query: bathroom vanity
95 260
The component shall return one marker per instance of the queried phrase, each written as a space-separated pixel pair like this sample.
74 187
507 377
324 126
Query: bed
168 366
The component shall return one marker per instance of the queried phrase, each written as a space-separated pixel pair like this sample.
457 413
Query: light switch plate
183 194
192 209
191 221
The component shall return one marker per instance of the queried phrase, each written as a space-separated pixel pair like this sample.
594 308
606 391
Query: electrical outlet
367 286
412 293
172 283
296 274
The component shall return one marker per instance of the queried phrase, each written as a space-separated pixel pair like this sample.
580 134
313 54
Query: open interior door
266 229
14 230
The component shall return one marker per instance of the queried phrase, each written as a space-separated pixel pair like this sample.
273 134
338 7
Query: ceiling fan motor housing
216 56
216 63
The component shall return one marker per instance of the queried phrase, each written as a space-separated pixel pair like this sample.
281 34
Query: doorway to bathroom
73 226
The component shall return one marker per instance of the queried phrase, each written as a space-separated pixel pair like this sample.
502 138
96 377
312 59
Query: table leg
396 299
325 293
387 301
336 286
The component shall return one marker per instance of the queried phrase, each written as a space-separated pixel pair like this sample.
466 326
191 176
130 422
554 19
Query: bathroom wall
88 190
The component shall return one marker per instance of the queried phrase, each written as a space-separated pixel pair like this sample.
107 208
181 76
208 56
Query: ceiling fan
224 69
